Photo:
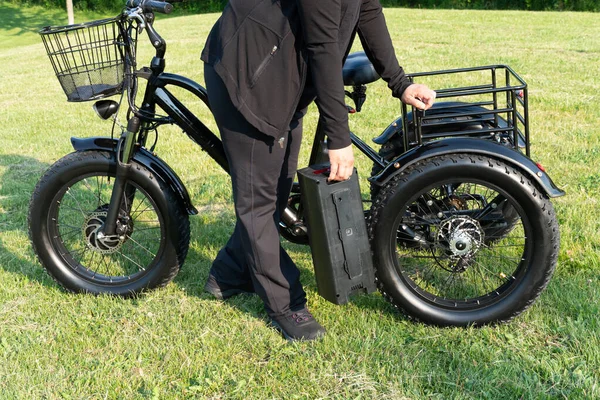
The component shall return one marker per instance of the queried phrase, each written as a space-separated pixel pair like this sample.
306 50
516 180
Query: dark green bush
537 5
199 6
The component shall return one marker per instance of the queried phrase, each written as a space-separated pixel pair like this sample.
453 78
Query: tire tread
176 212
386 192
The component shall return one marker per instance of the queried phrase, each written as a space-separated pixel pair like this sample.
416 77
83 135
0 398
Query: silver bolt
440 215
494 205
539 174
156 43
429 202
100 235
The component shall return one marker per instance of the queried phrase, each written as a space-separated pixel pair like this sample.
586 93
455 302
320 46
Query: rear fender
152 162
468 146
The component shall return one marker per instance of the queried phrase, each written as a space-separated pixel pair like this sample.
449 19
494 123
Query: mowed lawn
178 342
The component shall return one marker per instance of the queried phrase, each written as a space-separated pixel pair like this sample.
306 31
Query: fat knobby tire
394 196
78 164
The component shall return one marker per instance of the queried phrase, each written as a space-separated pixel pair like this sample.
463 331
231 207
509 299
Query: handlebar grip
158 6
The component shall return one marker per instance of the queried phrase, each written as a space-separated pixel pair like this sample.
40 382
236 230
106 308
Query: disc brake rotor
459 238
96 240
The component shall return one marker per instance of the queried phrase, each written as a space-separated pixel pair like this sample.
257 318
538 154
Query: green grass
179 343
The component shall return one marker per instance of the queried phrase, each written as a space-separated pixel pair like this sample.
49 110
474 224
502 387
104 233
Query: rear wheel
68 209
437 252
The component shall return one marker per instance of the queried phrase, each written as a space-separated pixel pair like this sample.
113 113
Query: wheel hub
461 243
97 240
460 237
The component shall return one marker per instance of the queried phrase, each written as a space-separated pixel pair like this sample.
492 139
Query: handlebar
162 7
143 11
158 6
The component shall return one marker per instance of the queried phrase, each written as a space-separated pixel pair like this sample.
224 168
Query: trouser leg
262 173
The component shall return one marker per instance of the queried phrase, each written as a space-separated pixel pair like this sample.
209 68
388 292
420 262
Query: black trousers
262 172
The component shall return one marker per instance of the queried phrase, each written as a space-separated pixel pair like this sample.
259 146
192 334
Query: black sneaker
223 292
298 325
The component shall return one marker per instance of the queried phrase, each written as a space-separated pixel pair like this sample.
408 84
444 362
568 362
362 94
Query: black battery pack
337 234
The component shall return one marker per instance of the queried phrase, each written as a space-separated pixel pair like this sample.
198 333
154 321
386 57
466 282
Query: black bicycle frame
156 93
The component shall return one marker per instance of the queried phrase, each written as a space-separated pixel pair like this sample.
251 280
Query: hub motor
460 237
97 240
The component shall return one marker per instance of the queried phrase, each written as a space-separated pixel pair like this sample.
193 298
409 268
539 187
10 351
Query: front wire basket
88 58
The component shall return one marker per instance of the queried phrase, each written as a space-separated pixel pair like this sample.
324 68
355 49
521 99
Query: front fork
124 155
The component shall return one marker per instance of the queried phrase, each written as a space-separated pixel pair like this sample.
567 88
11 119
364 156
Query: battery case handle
346 230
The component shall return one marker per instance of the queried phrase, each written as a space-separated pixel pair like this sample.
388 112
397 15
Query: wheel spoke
147 229
75 219
140 267
142 247
87 185
79 208
73 229
482 268
137 208
147 209
453 274
78 254
99 185
68 235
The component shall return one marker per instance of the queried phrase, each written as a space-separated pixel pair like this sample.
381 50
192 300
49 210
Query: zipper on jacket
263 65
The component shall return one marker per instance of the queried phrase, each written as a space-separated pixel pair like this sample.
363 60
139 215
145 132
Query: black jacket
263 50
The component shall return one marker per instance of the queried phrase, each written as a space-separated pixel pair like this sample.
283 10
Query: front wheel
437 256
68 209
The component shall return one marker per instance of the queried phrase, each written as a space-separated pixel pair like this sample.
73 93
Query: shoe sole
224 294
293 339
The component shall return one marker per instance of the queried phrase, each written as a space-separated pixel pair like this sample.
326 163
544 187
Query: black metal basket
493 101
88 58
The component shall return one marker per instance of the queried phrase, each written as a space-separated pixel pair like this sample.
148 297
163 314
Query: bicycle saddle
358 70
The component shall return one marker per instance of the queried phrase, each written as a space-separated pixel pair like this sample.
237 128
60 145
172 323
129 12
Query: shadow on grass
17 21
194 274
26 20
30 19
16 186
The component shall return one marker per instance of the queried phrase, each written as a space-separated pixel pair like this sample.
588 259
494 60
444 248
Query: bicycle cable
133 17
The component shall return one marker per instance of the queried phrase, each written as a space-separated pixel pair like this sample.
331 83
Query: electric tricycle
461 227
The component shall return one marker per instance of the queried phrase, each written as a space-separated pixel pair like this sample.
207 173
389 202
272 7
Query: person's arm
377 43
320 25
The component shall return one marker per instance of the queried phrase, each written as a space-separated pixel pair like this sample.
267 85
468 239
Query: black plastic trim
468 146
147 159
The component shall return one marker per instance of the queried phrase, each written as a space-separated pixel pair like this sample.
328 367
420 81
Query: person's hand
419 96
342 163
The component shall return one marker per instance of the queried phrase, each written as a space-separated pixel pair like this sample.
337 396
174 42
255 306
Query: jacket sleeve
320 21
376 41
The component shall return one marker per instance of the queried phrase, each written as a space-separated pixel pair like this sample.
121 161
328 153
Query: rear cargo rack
493 102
